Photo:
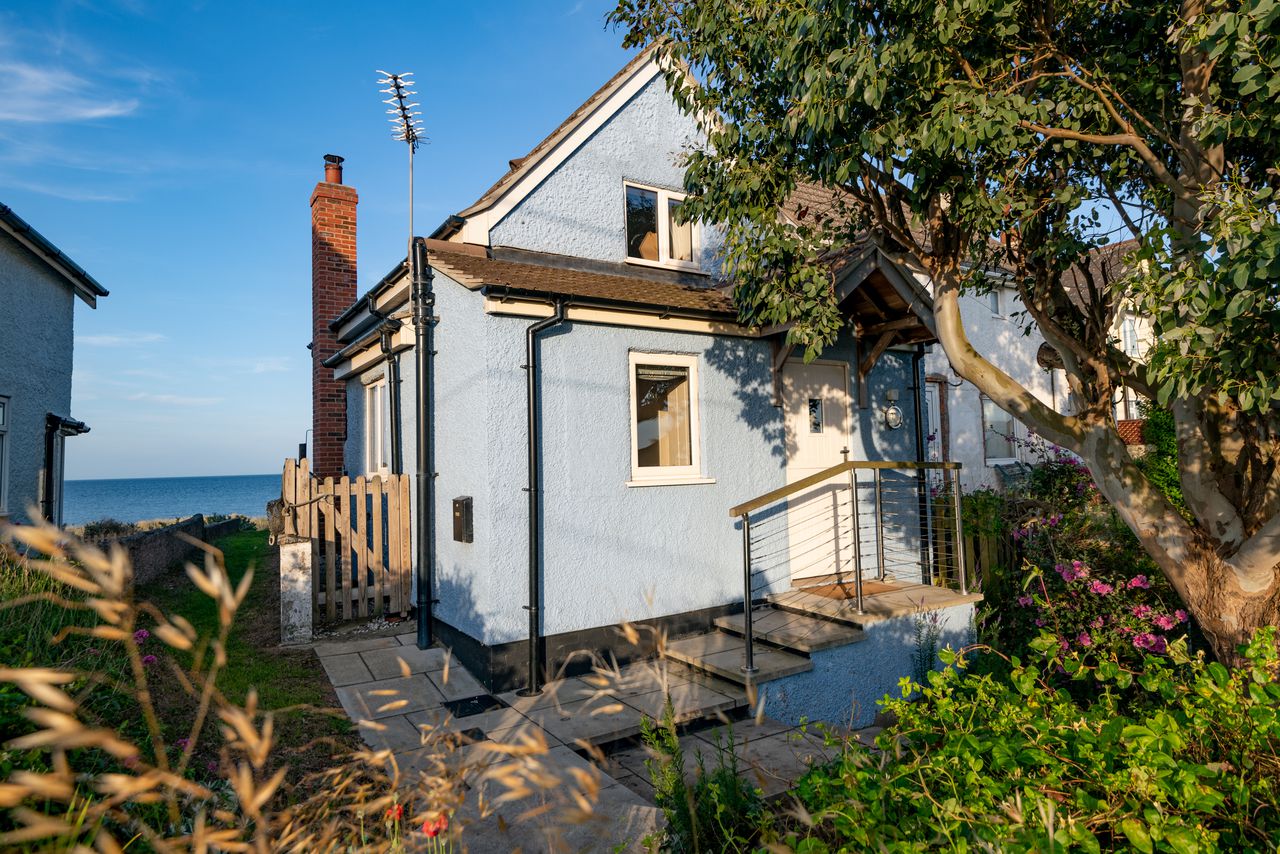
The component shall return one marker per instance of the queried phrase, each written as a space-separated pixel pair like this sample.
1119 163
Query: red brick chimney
333 289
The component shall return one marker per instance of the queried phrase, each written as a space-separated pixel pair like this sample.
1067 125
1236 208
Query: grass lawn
284 677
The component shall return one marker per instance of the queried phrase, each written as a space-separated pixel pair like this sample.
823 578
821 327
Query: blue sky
171 148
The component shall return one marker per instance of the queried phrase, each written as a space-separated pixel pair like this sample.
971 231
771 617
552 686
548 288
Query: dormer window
653 235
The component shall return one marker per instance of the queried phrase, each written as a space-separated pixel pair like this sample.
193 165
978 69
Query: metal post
749 666
955 497
857 539
879 527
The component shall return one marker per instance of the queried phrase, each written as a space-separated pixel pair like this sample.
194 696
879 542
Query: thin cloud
173 399
124 339
32 94
71 194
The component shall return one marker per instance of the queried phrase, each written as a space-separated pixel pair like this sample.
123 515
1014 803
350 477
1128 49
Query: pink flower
1039 621
1064 645
140 635
1141 611
181 743
1024 601
1100 587
148 660
1151 642
1181 615
1084 639
1139 582
1164 621
1097 623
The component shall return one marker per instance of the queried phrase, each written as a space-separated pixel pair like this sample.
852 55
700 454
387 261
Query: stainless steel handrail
744 510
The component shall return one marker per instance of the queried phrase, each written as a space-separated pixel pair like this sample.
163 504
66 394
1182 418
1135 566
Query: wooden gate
361 562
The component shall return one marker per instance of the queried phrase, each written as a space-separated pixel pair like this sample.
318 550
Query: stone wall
157 552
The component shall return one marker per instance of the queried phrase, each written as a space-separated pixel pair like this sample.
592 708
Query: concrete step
723 655
907 599
789 630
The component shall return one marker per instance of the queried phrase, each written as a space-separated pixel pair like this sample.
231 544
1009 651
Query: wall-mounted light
893 418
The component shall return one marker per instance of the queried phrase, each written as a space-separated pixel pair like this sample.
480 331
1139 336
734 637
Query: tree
974 138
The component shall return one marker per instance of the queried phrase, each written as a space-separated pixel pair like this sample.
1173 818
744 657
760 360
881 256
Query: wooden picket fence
361 557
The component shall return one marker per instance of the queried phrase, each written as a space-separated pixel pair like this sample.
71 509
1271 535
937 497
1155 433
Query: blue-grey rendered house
657 410
39 286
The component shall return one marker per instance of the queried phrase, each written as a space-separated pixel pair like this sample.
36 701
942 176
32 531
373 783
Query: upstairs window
997 433
1129 337
653 235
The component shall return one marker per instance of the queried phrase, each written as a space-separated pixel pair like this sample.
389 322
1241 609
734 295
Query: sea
136 499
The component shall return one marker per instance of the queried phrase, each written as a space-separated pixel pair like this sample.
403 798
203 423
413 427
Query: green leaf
1136 832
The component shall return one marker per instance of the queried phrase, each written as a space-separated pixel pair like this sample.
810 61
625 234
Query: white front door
816 403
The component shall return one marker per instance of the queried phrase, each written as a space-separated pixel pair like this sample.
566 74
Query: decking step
787 629
723 655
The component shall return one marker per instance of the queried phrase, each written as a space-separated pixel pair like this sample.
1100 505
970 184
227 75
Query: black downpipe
393 386
55 426
534 684
922 478
423 322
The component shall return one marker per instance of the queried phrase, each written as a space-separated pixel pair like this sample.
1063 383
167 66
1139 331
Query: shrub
1160 463
103 529
1006 761
720 812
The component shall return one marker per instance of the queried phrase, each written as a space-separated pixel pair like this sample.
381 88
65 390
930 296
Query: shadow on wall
746 363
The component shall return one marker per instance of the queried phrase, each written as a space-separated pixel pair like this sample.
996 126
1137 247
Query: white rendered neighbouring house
658 411
38 289
967 427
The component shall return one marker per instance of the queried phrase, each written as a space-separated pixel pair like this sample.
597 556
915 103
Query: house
596 410
38 288
967 427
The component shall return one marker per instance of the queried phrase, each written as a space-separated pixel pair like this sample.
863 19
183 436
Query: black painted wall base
504 667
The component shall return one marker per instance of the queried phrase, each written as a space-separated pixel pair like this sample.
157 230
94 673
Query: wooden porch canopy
887 305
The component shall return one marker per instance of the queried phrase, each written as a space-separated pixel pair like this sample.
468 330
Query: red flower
396 812
434 828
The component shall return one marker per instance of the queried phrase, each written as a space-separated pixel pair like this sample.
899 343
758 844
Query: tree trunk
1227 614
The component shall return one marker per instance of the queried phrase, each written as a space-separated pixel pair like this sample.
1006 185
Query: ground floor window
4 455
376 441
997 433
664 416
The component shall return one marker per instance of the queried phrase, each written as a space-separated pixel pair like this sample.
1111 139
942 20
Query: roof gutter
504 292
85 284
387 324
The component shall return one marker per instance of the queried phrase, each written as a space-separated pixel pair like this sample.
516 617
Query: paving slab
723 655
492 720
793 631
389 662
328 648
559 692
394 733
588 721
742 731
456 684
386 698
776 762
689 701
346 669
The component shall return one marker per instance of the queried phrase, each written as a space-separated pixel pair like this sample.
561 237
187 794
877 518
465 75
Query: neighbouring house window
993 301
1129 337
664 416
653 235
376 441
997 432
4 455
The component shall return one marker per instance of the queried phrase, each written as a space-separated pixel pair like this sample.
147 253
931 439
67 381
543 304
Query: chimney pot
333 169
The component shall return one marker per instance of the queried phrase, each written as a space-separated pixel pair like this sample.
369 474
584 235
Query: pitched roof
86 287
521 165
1106 264
1130 430
476 272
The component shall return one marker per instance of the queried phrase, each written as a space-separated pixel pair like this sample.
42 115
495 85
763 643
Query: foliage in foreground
1010 762
91 763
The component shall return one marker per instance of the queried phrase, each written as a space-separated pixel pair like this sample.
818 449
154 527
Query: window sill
1000 461
682 266
671 481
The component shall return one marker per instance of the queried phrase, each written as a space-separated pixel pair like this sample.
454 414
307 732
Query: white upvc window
377 443
993 302
665 428
653 236
4 456
997 433
1129 337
